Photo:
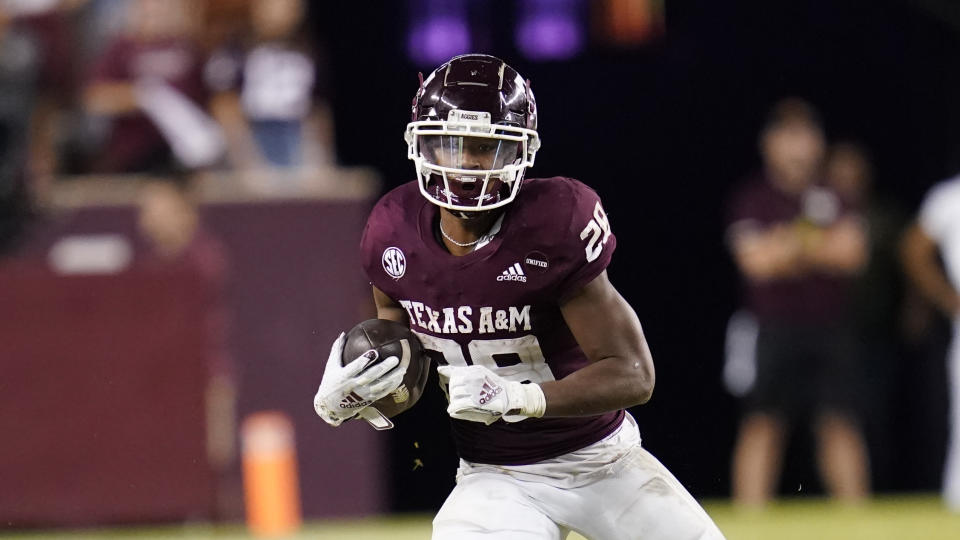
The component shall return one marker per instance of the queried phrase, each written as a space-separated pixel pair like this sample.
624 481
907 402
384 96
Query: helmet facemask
468 164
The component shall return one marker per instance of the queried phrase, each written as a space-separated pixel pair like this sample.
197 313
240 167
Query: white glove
480 395
346 390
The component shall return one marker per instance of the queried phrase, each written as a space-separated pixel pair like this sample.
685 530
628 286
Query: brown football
390 338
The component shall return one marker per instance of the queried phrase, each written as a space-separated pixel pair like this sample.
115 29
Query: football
390 338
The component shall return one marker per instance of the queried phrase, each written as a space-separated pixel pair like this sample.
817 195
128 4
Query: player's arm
388 308
621 373
919 257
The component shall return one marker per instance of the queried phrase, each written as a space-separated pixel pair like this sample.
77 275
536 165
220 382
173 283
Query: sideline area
913 517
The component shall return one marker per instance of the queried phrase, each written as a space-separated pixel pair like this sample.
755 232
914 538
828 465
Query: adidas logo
353 401
513 273
489 391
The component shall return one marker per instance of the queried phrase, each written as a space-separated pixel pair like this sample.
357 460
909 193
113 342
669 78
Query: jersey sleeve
368 245
378 237
940 209
588 243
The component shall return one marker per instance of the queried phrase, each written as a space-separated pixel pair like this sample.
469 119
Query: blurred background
184 183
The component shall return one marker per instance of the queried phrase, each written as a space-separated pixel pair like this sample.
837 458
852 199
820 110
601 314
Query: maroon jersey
499 306
134 141
812 298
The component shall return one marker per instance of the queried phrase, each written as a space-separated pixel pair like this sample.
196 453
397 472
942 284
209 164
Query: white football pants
951 473
629 497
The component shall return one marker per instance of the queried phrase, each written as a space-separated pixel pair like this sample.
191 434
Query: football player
504 281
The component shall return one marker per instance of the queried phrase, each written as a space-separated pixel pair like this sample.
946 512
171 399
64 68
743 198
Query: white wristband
535 403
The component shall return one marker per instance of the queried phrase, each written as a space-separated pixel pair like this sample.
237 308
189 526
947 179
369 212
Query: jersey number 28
515 359
598 231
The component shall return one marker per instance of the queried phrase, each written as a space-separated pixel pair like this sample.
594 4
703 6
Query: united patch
536 261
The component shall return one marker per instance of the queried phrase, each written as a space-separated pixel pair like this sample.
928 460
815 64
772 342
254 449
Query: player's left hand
480 395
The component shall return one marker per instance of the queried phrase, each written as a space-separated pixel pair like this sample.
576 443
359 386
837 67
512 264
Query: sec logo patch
394 262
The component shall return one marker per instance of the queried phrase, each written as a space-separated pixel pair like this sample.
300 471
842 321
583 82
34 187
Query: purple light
549 29
549 38
437 39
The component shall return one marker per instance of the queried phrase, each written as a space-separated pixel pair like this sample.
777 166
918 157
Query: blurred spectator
796 245
15 213
266 93
103 20
225 23
937 232
148 84
883 309
19 67
49 25
169 221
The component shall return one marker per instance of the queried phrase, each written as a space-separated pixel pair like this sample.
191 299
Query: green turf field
908 518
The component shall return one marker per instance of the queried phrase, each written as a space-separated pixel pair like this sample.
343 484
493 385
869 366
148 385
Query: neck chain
461 244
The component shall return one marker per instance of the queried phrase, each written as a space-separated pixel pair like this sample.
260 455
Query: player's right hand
477 394
347 389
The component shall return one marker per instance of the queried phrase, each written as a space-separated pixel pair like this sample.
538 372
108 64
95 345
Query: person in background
797 245
936 232
156 54
265 94
49 25
169 221
16 213
19 73
225 23
883 308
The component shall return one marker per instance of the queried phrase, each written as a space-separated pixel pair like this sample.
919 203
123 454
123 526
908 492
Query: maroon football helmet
473 133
